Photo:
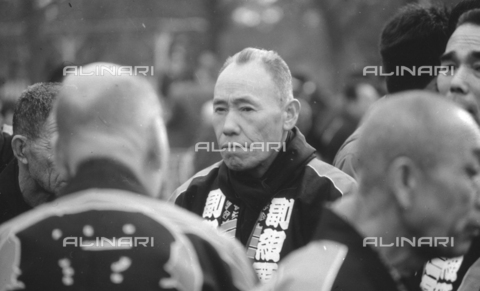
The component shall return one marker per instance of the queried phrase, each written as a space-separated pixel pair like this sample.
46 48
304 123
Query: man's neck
383 227
32 193
263 167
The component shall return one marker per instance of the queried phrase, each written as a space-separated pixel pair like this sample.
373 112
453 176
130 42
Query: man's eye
219 109
476 67
449 66
472 172
246 109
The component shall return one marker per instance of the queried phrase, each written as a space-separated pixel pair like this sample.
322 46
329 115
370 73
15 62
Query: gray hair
33 109
273 63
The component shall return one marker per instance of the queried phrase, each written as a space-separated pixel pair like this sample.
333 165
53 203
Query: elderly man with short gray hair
268 190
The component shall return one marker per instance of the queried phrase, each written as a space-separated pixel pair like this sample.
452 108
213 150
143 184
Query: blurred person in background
204 159
112 145
416 36
186 88
57 74
15 81
302 93
314 105
462 86
268 190
185 91
30 178
7 111
440 273
357 97
410 194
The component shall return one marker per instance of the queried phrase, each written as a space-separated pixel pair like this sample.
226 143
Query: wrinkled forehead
465 39
246 80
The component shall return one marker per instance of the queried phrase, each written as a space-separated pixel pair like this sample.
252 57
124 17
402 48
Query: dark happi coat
273 215
104 233
336 259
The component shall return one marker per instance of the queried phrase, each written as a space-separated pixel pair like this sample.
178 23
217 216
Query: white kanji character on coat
280 212
265 271
270 245
214 204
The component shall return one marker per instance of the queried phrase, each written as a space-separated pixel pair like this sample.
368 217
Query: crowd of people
395 207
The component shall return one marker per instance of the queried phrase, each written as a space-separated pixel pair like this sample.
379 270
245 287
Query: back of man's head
418 155
33 108
406 123
113 116
414 37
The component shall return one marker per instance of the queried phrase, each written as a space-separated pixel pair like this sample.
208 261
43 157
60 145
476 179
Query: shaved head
419 162
417 124
108 115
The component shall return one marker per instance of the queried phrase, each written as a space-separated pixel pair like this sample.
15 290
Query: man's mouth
234 145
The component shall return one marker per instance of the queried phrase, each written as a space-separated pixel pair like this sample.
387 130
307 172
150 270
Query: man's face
247 110
449 203
463 54
41 161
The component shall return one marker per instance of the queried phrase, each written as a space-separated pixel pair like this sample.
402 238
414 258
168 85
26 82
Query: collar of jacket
257 192
105 174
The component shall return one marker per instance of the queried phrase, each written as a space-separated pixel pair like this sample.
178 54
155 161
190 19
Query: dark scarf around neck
257 192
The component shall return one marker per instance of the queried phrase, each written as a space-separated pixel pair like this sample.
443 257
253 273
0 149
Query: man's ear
19 146
404 177
291 111
154 157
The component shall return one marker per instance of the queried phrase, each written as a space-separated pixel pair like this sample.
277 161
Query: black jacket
11 199
273 215
335 260
104 233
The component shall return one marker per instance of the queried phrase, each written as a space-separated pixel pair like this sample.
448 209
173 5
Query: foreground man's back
104 232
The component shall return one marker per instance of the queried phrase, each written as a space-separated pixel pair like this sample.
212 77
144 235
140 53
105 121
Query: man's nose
459 83
477 192
230 125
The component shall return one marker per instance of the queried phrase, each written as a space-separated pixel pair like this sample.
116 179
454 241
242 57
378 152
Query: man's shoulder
313 267
79 219
8 171
342 267
346 157
11 199
199 179
317 169
6 150
117 203
8 174
110 201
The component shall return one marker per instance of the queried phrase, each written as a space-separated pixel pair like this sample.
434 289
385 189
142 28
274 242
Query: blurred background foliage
325 39
326 43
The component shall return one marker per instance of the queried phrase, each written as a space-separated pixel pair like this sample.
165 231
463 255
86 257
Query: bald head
108 103
105 115
416 124
419 162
